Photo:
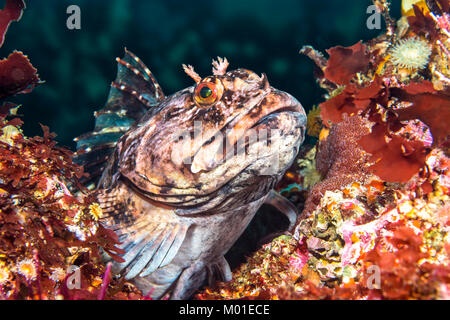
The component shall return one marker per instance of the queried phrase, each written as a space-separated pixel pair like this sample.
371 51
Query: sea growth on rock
363 241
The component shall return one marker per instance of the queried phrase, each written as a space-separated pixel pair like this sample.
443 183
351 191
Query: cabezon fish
180 177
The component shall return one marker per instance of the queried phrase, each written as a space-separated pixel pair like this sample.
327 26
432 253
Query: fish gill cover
375 224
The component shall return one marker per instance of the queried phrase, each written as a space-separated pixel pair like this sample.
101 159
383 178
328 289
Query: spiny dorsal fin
132 94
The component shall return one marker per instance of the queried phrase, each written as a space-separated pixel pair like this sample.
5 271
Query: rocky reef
50 239
376 223
363 241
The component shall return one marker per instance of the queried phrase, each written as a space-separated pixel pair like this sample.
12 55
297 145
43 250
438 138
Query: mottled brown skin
193 213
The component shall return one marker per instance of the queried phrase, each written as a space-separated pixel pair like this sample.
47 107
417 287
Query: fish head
231 132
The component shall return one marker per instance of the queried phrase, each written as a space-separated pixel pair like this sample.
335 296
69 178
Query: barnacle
96 211
58 274
27 268
411 53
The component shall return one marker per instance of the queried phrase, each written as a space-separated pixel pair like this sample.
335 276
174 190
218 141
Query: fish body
182 176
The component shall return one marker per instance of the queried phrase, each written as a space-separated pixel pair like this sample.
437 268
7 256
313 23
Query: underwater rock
363 241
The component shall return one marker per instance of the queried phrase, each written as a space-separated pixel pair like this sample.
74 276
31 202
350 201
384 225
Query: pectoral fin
153 246
284 206
150 236
190 279
219 271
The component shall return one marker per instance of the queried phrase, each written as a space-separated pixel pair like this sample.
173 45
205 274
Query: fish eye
206 93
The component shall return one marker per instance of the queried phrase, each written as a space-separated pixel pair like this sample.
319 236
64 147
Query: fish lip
292 105
292 109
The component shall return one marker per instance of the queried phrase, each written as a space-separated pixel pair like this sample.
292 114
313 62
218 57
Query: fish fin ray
146 251
132 94
167 250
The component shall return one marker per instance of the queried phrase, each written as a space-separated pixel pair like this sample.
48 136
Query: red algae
11 12
344 63
47 232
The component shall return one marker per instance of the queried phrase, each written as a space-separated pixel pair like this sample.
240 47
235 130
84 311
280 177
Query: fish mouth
264 120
